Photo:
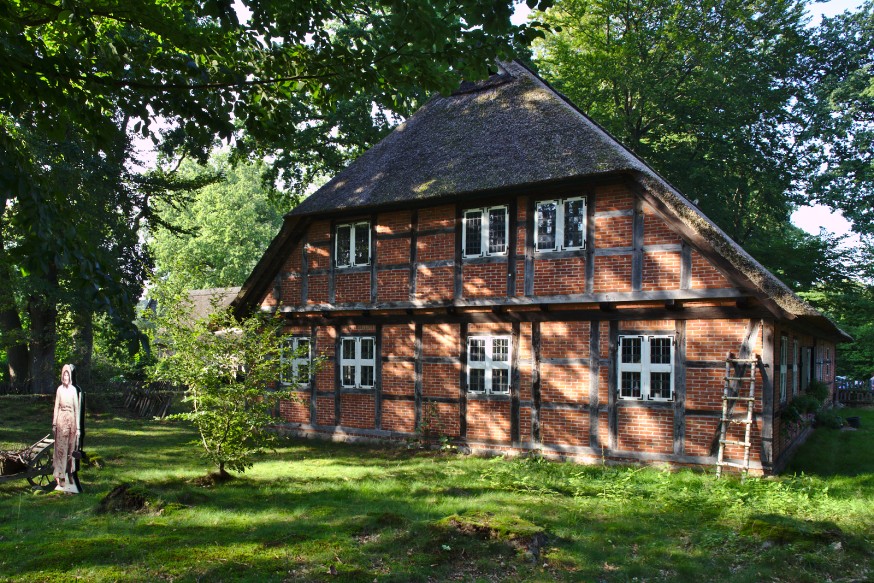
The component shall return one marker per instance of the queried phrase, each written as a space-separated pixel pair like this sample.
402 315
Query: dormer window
352 244
561 224
486 232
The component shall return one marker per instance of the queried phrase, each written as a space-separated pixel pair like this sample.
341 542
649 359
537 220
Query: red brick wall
437 247
440 380
296 411
700 432
325 410
398 378
559 276
488 420
399 340
399 416
393 223
357 411
484 280
656 231
351 287
661 270
704 275
393 285
646 430
435 283
392 251
564 427
612 273
317 292
437 217
612 232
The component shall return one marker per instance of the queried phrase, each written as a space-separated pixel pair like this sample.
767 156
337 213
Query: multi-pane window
352 244
295 361
646 367
561 224
488 364
486 232
784 360
795 356
357 361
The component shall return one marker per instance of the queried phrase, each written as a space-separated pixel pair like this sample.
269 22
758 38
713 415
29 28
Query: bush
829 418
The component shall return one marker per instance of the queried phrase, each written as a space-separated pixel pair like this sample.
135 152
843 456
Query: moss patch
784 529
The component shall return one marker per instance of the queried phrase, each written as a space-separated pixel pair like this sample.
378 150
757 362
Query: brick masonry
567 382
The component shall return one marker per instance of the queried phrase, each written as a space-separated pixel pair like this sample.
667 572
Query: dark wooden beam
637 245
535 382
337 377
512 220
767 371
458 272
462 382
594 381
414 252
679 403
613 387
418 375
515 379
377 388
374 280
530 234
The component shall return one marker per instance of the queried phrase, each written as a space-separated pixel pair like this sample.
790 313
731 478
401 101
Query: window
295 361
357 361
486 232
352 244
561 224
646 368
794 367
784 358
488 364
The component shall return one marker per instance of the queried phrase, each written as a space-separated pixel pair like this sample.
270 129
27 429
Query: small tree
230 368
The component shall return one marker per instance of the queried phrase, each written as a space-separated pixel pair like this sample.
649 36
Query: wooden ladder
729 398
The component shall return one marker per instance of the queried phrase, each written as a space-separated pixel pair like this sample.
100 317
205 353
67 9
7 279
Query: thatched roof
205 301
509 132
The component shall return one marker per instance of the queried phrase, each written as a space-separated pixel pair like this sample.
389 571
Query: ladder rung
736 360
739 378
733 465
732 442
727 398
742 421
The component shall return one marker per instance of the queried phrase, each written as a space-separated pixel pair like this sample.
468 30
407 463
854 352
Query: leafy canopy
221 231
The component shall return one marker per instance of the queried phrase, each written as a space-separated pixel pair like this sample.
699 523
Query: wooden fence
855 397
149 400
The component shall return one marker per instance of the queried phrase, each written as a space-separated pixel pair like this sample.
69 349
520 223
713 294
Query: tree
219 235
702 91
841 112
229 368
299 81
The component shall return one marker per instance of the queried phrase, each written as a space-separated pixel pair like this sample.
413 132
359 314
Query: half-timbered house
501 268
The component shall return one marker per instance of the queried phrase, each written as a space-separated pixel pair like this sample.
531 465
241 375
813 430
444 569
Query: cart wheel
42 465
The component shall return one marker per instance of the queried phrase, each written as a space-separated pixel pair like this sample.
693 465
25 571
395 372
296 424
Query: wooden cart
38 458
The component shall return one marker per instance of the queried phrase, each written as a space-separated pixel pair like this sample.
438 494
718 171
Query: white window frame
784 361
645 367
795 367
489 365
289 359
559 224
358 362
484 231
353 227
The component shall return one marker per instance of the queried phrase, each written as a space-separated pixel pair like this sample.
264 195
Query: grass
318 511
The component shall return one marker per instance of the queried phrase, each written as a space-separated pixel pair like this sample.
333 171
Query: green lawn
325 512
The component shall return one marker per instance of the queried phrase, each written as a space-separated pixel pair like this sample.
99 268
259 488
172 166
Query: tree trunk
83 345
11 330
43 322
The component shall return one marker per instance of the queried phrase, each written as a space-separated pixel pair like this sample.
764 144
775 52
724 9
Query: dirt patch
124 499
213 479
524 536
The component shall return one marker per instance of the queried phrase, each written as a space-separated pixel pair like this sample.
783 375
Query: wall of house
563 392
